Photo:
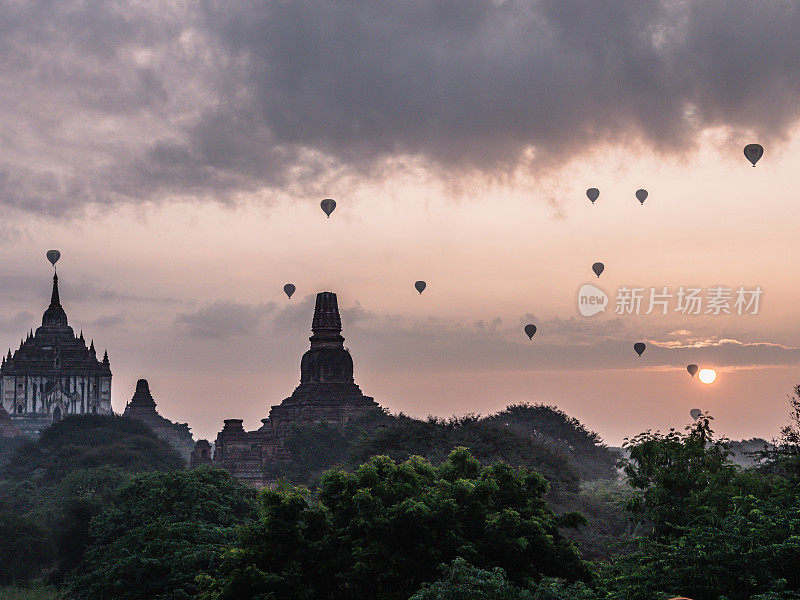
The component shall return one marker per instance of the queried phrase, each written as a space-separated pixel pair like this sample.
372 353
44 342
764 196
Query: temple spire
327 324
142 398
54 299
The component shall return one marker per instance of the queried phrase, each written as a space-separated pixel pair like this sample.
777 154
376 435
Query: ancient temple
143 408
53 374
327 392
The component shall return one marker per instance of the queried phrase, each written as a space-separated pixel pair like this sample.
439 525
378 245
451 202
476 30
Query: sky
176 154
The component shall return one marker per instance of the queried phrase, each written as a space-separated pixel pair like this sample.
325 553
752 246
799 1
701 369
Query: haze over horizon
177 158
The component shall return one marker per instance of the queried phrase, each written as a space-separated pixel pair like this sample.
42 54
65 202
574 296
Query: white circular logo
591 300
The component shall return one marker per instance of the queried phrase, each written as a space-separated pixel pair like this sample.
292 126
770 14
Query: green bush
159 533
381 532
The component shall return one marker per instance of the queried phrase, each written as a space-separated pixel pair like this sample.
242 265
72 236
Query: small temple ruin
143 408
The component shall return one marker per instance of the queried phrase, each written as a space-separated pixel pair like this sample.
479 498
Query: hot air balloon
598 268
753 152
530 329
641 195
289 289
53 256
593 194
420 285
327 206
639 347
692 369
695 413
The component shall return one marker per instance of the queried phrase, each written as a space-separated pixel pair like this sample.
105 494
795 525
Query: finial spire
54 299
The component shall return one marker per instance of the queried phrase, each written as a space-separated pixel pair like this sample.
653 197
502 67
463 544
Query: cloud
224 319
17 324
131 102
398 343
109 321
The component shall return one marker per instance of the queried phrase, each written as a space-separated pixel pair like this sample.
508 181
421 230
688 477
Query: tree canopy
383 530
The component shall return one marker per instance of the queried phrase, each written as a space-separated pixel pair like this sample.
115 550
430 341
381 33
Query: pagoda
143 408
327 390
327 393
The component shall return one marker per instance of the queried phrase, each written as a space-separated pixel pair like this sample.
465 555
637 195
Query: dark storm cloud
105 103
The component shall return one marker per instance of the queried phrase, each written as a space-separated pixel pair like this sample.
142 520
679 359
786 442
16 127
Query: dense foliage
555 428
717 530
101 507
88 441
383 530
51 489
539 437
159 532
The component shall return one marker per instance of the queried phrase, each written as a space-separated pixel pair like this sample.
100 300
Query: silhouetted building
201 455
53 374
143 408
327 392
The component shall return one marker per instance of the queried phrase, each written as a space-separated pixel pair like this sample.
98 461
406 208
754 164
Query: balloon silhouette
641 196
289 289
695 412
593 194
639 347
53 256
598 268
327 206
420 285
753 152
692 370
530 329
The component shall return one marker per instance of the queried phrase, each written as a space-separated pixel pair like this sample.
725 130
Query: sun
707 375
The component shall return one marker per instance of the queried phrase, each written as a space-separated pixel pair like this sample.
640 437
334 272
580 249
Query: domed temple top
55 317
54 348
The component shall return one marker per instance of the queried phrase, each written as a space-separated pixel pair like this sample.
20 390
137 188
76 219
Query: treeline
405 515
536 436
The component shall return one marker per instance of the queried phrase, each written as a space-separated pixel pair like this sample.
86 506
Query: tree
89 441
552 426
24 548
161 531
719 531
462 581
382 531
671 469
784 456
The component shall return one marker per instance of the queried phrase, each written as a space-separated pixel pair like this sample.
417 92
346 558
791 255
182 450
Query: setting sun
707 375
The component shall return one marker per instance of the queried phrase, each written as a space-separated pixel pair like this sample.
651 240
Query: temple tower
327 391
53 374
